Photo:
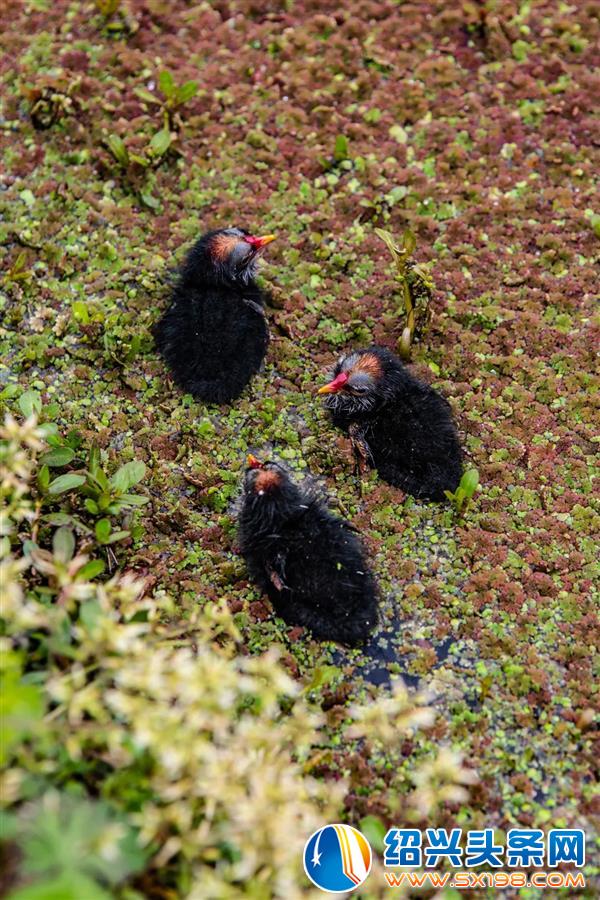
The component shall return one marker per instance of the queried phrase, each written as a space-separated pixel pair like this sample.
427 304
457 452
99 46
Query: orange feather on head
266 480
222 245
369 363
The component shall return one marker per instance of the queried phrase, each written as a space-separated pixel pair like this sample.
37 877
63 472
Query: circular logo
337 858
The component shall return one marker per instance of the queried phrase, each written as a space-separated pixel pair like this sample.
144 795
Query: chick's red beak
334 386
253 462
259 242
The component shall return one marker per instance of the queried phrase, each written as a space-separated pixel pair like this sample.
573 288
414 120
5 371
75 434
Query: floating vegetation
322 123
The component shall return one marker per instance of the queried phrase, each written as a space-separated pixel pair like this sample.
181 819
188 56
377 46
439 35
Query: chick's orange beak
260 242
334 386
253 462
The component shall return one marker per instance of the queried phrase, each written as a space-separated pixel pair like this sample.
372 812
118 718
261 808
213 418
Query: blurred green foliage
136 744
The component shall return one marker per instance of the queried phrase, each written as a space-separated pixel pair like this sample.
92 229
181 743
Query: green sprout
116 18
156 148
341 150
107 8
89 488
462 496
136 168
174 96
416 286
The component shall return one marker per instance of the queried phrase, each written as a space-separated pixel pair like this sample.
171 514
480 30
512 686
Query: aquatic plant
462 496
415 285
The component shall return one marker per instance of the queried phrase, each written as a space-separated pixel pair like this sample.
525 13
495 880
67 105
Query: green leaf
375 831
91 570
340 150
160 143
128 475
143 94
137 532
100 479
399 134
12 389
372 116
469 482
409 242
103 530
118 149
91 506
21 705
27 197
80 312
50 432
68 886
321 676
52 410
73 439
205 428
388 239
58 519
43 479
404 343
398 192
9 826
520 49
75 835
94 459
429 167
117 536
64 519
59 457
90 612
134 500
140 160
65 483
187 91
30 403
63 544
149 201
166 83
19 264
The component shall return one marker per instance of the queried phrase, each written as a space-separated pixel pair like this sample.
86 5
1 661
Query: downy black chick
399 425
214 335
309 562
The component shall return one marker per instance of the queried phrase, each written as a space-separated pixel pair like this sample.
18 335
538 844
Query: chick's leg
362 454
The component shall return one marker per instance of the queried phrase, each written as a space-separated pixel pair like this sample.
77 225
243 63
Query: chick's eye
359 388
239 252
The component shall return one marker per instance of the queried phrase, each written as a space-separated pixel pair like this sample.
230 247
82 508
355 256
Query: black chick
309 562
398 424
214 335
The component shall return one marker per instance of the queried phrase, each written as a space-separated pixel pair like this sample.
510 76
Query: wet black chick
309 562
214 335
399 425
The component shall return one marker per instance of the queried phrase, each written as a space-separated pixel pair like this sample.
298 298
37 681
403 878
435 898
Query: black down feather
399 425
214 335
309 562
